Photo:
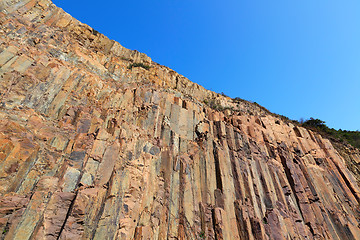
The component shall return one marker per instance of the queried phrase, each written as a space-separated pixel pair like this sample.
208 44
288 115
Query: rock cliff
100 142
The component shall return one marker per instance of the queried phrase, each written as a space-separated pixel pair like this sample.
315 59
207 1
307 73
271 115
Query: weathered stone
70 179
55 215
90 149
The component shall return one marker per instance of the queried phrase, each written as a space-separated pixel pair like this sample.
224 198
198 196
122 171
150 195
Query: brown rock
90 149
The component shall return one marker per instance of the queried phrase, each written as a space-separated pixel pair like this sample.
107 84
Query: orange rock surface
90 149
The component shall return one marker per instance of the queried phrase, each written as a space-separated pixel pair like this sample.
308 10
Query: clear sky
300 59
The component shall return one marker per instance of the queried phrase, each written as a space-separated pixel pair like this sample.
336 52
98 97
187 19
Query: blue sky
296 58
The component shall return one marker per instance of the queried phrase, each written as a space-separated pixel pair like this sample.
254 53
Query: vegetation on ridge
351 137
212 103
147 67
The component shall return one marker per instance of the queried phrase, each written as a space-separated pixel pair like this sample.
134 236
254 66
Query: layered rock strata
93 149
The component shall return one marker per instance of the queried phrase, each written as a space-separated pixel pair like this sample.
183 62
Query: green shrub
223 94
95 32
147 67
238 100
351 137
212 103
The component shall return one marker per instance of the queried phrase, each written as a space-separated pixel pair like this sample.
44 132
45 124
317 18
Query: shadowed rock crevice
67 216
219 184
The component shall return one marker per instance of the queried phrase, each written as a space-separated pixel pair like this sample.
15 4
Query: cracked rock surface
90 149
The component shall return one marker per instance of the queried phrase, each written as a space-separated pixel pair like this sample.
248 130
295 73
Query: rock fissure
68 213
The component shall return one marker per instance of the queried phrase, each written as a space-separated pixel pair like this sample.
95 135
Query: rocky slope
90 149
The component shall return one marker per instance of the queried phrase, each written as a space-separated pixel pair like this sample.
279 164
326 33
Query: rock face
90 149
